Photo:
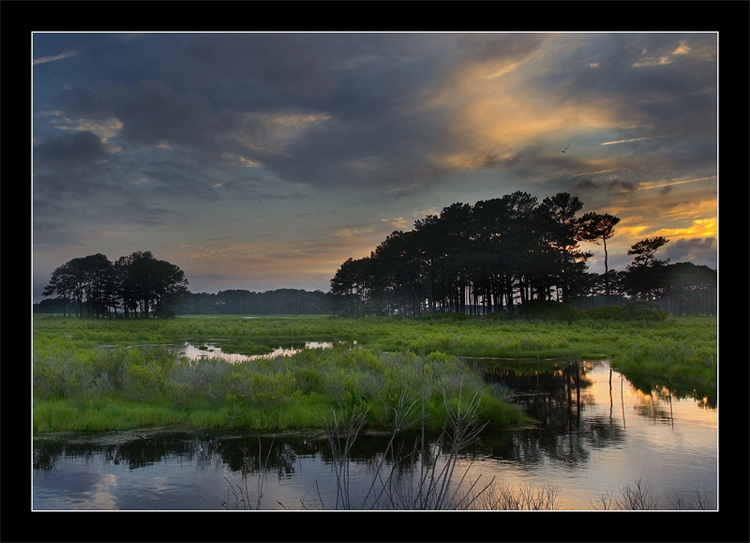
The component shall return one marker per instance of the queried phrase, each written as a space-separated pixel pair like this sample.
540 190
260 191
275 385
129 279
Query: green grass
70 414
117 374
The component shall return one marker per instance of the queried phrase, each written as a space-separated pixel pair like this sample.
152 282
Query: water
596 434
194 352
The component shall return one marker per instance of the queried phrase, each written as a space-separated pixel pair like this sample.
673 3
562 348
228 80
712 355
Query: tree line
140 285
499 255
134 285
509 252
283 301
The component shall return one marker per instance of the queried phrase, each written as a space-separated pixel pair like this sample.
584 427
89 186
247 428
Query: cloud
53 234
338 111
180 179
631 140
196 132
70 163
154 113
71 150
700 251
61 56
103 128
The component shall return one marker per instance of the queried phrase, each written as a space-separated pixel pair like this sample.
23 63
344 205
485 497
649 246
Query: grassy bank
114 374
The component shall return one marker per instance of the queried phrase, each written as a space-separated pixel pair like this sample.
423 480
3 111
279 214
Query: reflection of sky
613 447
262 161
674 454
213 351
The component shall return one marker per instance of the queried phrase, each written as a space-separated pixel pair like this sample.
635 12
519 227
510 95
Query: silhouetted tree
154 283
87 283
689 289
94 285
597 227
563 234
350 284
645 249
646 276
495 254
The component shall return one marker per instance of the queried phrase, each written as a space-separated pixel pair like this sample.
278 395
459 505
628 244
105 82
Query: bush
252 388
549 310
642 310
609 312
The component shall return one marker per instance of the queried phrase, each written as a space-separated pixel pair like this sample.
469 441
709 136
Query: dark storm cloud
50 234
180 179
89 102
665 81
151 112
263 65
155 113
364 86
218 94
612 187
698 250
73 162
269 70
373 149
498 47
137 131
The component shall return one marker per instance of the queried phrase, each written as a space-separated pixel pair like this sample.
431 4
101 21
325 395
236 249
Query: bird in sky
566 148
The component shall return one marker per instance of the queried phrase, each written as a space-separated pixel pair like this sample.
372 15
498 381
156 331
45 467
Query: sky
260 161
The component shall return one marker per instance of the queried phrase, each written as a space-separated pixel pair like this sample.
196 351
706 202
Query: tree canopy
138 284
499 254
496 255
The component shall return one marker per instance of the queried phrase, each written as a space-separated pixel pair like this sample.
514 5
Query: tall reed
437 485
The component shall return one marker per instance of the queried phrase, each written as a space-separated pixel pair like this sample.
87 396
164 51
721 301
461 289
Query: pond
597 435
214 350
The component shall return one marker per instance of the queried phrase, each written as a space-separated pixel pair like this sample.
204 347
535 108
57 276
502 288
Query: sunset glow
264 160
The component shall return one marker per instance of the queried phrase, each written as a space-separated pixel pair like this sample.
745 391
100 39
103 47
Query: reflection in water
559 395
596 432
192 352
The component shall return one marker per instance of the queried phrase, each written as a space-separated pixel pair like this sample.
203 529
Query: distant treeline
230 302
283 301
499 256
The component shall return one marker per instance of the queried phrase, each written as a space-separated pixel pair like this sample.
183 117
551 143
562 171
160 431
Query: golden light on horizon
699 228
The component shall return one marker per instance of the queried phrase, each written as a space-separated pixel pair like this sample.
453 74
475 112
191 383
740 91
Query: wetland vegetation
105 374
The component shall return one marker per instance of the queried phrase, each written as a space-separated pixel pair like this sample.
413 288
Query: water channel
597 434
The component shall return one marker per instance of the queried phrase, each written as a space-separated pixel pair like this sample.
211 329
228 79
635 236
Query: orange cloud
698 228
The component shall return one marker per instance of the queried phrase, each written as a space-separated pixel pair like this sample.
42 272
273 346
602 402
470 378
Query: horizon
258 161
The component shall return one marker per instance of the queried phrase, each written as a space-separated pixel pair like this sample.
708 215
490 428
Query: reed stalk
241 492
438 485
342 431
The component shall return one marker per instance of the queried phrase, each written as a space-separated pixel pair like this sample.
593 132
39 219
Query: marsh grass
239 495
431 474
68 414
639 496
126 388
438 485
114 374
526 497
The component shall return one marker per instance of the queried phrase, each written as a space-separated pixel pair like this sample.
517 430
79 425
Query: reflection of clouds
102 496
72 485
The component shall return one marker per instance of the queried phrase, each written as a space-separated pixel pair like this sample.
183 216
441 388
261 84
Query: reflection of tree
600 432
555 395
205 450
551 393
45 458
674 386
